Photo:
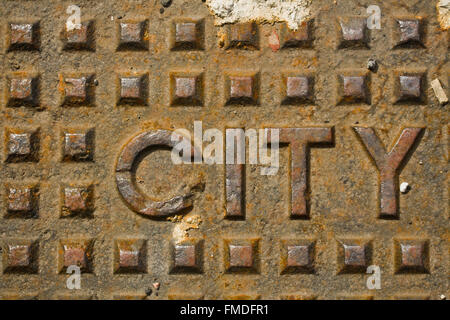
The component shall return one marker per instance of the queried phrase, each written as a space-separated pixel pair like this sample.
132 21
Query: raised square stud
187 257
78 91
188 35
298 89
77 202
133 90
409 33
243 36
242 256
297 256
412 256
409 88
23 91
353 33
78 146
24 36
354 256
20 257
186 90
242 89
22 202
133 36
130 256
22 146
78 252
353 89
81 38
300 38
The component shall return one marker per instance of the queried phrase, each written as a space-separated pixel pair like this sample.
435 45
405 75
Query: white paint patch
293 12
183 225
443 8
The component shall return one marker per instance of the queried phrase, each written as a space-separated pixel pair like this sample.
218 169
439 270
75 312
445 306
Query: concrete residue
293 12
182 225
439 91
443 8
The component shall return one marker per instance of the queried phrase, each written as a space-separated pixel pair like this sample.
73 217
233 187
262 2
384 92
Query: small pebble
166 3
442 297
148 292
404 187
372 65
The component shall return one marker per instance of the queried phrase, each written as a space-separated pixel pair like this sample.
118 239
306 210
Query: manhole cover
89 183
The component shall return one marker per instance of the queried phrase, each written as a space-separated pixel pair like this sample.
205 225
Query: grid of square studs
189 34
23 89
411 256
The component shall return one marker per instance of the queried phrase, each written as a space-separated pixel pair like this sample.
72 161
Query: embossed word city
300 140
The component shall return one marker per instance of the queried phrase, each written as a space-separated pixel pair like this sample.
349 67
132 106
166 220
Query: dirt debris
182 225
439 91
443 8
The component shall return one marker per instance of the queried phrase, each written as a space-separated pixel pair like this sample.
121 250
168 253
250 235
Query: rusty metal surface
80 109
